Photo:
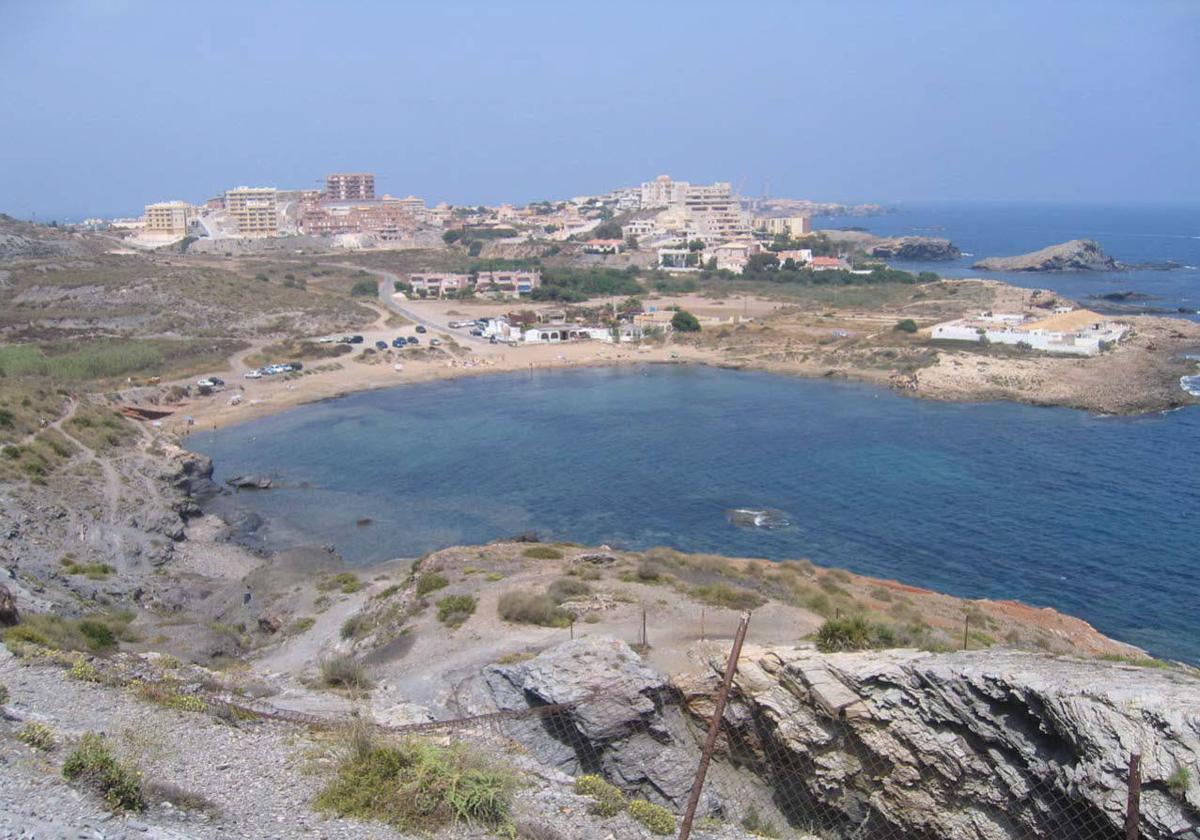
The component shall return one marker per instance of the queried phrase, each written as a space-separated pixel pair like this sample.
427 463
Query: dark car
216 380
356 339
412 339
399 342
381 345
296 365
477 332
420 328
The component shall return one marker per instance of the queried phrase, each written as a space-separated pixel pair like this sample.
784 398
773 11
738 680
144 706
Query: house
733 256
558 333
602 246
800 256
437 284
656 319
1077 332
829 264
507 283
678 258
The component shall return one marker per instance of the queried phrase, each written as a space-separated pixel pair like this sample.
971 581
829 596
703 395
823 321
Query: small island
1076 255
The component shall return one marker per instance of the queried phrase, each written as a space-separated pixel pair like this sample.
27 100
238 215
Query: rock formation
917 248
1076 255
986 745
8 608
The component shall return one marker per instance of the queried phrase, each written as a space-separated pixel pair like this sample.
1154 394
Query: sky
111 104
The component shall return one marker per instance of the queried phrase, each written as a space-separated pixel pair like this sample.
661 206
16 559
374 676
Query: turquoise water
1095 516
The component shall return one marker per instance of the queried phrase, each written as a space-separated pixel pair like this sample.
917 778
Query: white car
327 339
253 374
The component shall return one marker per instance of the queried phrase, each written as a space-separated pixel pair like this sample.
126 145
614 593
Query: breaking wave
768 519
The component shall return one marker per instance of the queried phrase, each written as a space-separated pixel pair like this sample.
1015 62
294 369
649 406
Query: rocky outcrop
624 725
971 746
249 482
915 248
1076 255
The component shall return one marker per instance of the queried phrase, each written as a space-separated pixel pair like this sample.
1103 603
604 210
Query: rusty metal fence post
714 728
1133 806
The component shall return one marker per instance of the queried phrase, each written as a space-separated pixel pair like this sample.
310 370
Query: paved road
387 288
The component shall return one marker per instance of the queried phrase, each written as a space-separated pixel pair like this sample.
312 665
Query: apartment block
790 226
253 210
167 218
350 186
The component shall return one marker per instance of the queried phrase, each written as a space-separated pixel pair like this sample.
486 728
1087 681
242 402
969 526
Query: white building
558 333
790 226
1077 332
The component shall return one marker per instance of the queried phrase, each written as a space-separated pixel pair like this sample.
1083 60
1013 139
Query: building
792 227
167 218
350 186
558 333
1077 332
733 256
437 284
253 210
662 192
603 246
800 256
829 264
507 283
639 228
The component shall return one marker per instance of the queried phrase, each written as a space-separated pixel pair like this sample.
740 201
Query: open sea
1096 516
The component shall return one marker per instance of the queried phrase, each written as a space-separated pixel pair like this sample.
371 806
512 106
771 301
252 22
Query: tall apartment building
167 218
791 226
662 192
254 210
349 186
715 211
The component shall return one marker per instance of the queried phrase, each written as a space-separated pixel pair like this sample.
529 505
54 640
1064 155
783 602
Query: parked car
477 332
420 328
459 324
493 340
210 382
328 339
216 380
356 339
435 342
381 345
253 374
293 366
399 342
412 339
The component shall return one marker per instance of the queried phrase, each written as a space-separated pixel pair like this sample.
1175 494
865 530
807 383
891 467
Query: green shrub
3 694
430 582
649 571
1178 782
724 595
352 626
23 633
542 552
417 786
656 818
93 763
84 671
364 288
99 635
93 634
908 325
343 670
388 592
607 799
683 321
532 608
38 735
453 610
301 625
853 633
758 826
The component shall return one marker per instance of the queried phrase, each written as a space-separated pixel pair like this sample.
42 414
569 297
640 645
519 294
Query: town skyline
472 105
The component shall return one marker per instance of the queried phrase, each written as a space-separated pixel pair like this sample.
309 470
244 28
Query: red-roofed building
829 264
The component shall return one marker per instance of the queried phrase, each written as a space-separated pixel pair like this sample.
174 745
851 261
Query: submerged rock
1076 255
249 482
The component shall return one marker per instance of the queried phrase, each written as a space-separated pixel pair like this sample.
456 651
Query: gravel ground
259 777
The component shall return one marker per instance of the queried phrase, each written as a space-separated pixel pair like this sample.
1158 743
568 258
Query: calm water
1095 516
1132 234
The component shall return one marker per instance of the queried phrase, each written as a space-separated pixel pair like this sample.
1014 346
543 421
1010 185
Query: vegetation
3 694
94 764
542 552
607 799
430 582
98 633
566 588
574 285
656 818
417 786
758 826
907 325
344 670
364 288
724 595
346 582
1178 781
532 608
683 321
454 610
853 633
107 358
38 735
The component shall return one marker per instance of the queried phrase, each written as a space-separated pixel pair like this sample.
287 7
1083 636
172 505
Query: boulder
1076 255
269 622
8 608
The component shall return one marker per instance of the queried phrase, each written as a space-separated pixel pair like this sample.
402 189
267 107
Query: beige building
349 186
790 226
254 210
167 218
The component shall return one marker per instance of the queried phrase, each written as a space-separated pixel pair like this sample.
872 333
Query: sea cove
1093 516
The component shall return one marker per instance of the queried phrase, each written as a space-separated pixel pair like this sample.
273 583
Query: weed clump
853 633
345 582
430 582
94 764
343 670
420 787
724 595
607 799
542 552
38 735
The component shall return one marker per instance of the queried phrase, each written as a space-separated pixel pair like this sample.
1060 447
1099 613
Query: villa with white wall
1076 332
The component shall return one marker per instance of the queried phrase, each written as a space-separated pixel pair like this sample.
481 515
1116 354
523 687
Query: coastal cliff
1076 255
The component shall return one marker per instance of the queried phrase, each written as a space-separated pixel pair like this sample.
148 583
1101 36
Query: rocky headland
915 249
1076 255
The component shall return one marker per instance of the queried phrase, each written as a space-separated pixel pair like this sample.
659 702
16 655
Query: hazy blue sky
109 104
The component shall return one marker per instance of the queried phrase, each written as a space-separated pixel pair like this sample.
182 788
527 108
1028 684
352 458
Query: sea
1096 516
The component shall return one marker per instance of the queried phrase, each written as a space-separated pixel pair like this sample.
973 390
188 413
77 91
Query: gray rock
249 482
8 608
